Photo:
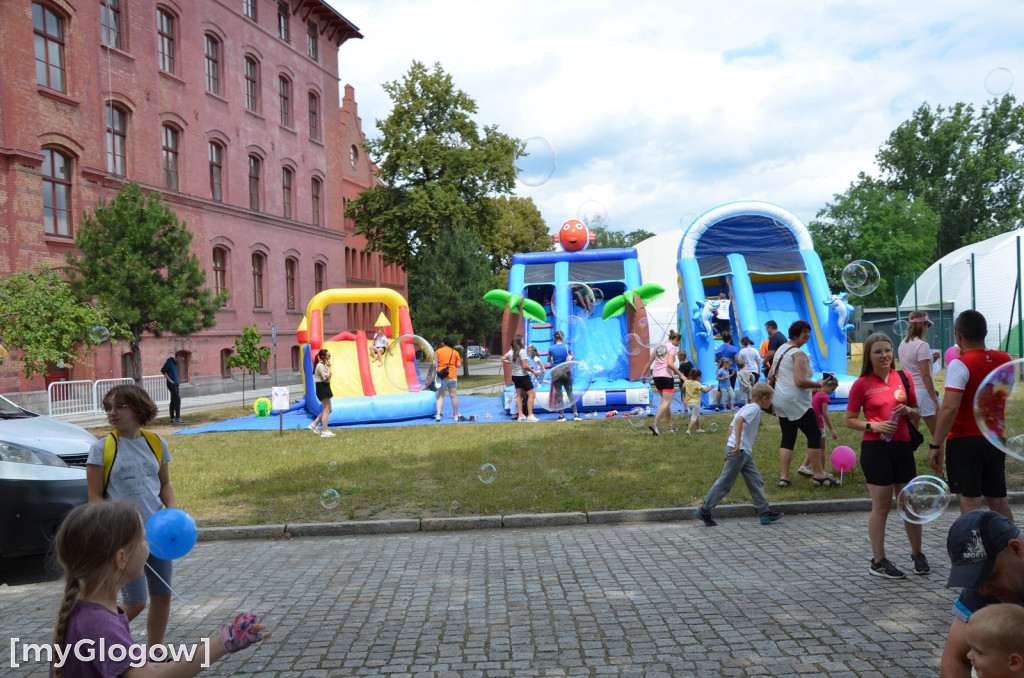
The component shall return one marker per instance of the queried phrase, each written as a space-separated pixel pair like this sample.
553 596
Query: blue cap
974 541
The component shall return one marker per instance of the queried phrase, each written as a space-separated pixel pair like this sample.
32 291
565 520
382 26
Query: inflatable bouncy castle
366 391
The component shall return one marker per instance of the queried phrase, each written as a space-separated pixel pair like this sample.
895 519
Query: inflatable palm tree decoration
515 308
634 304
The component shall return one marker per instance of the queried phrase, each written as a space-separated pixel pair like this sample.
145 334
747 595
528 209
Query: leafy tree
135 262
41 316
249 355
446 294
969 169
871 221
437 166
606 238
519 228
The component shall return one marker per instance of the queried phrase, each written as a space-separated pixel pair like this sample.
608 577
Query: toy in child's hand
242 632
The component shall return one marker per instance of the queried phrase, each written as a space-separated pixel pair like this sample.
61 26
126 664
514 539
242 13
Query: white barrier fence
66 398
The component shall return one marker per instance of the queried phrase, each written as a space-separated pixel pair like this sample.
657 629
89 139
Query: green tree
41 316
135 262
871 221
519 228
606 238
969 169
249 355
446 296
437 166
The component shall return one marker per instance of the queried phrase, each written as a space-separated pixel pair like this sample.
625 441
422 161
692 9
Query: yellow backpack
110 451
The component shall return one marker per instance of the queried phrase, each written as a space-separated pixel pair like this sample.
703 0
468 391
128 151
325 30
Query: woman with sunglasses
916 360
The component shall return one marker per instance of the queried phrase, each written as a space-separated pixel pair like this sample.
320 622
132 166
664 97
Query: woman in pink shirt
663 371
886 456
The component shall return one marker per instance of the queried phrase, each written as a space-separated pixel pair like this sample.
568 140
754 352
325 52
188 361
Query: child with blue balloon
102 546
131 464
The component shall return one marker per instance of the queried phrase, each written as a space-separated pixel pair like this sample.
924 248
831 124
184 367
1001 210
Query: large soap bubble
922 500
409 363
999 81
566 384
999 408
98 334
535 161
580 299
592 213
861 277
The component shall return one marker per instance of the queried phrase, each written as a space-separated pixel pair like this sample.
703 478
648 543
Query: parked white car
42 477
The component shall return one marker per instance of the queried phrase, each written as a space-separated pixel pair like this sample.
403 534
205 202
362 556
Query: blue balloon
171 533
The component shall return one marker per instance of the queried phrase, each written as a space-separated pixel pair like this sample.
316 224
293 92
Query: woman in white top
916 360
751 371
518 358
792 404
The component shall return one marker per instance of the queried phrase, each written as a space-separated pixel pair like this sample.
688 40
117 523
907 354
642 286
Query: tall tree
438 168
135 261
969 169
41 317
446 294
874 222
519 228
607 238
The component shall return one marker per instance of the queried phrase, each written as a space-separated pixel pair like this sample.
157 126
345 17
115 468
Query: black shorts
889 463
807 423
975 467
323 390
664 384
522 382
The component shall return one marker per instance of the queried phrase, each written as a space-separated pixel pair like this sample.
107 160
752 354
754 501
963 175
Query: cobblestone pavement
660 599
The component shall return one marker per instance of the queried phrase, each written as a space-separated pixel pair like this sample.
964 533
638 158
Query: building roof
336 27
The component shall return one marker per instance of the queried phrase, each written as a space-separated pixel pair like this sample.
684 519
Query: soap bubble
566 384
98 335
632 344
899 328
591 471
656 334
922 501
999 408
454 506
713 428
637 417
409 363
861 277
574 299
999 81
592 213
332 466
487 473
535 161
329 499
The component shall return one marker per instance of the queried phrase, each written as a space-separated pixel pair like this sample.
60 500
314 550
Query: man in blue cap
987 557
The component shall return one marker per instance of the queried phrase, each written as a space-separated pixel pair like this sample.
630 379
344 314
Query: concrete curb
521 520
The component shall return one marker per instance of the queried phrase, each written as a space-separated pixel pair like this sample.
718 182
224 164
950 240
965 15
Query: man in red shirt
975 467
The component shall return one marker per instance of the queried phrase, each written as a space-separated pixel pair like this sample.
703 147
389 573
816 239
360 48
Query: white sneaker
326 434
312 427
521 419
560 419
700 430
532 419
806 471
437 417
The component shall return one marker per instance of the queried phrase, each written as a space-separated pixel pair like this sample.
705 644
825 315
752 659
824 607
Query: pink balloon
952 353
843 458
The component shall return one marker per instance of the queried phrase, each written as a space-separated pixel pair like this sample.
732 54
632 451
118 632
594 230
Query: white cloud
657 111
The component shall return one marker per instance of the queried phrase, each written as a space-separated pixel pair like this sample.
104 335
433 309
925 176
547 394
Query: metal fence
66 398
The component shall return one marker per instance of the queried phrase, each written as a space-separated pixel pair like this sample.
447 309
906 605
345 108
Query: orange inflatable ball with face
574 236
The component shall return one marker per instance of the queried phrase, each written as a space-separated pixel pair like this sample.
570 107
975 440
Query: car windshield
9 410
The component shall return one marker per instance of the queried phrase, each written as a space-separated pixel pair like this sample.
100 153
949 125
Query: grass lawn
259 477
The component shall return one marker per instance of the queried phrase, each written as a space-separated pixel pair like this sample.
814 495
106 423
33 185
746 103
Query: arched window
170 137
255 167
216 171
220 269
314 192
127 365
291 267
225 369
314 116
56 193
284 89
258 265
286 192
184 360
319 273
117 140
296 359
252 88
165 39
48 30
212 49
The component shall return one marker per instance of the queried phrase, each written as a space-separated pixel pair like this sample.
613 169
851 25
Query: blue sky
662 110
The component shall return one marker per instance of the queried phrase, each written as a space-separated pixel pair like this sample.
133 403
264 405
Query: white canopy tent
657 259
996 282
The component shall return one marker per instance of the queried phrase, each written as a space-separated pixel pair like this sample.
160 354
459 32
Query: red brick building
228 108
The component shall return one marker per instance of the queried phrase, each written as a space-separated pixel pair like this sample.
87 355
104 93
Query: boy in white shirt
739 459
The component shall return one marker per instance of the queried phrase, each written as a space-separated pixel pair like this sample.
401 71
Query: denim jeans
744 464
